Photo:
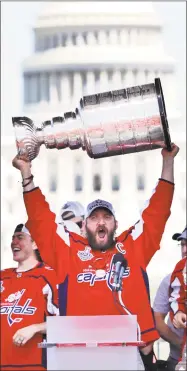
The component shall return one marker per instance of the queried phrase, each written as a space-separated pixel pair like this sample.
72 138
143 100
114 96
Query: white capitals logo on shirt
85 255
90 277
11 306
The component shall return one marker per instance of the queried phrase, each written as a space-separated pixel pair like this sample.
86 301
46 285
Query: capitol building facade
80 50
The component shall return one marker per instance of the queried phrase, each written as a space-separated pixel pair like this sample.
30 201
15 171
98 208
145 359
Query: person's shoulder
77 238
161 300
166 279
180 265
125 234
164 283
6 273
46 268
47 272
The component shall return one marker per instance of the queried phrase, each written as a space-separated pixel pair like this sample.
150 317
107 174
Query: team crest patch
1 287
86 254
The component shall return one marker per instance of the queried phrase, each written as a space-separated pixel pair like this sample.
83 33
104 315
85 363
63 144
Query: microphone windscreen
120 258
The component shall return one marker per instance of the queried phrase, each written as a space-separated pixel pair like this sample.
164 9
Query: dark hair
38 256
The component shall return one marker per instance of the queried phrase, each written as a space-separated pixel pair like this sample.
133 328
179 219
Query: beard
99 246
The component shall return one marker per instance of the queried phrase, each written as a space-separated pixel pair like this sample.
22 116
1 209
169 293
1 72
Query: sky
17 20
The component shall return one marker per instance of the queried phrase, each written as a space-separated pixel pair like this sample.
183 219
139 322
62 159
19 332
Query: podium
92 343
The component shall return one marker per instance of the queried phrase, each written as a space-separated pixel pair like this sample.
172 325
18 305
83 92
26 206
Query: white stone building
80 49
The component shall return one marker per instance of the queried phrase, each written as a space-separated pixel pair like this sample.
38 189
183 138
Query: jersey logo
91 278
11 306
86 254
2 287
119 247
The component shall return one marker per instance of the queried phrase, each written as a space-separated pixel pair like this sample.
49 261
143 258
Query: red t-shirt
26 299
178 288
82 292
178 294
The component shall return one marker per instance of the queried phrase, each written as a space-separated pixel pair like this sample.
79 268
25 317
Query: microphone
120 264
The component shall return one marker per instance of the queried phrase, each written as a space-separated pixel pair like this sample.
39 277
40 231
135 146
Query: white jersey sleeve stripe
63 234
51 308
138 228
175 294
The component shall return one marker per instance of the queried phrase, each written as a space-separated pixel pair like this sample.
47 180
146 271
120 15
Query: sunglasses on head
68 215
79 224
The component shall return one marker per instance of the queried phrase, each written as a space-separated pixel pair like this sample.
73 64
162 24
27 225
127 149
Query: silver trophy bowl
112 123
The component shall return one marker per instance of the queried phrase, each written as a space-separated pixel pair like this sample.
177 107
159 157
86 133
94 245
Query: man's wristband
30 178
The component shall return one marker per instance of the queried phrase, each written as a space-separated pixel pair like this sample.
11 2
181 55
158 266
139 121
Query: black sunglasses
79 224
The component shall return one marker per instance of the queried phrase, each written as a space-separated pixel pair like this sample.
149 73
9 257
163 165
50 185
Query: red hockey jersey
26 298
178 294
83 292
178 288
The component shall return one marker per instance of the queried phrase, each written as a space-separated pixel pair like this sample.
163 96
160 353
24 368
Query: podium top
92 329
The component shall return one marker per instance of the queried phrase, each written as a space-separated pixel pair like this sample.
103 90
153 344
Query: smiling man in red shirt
28 294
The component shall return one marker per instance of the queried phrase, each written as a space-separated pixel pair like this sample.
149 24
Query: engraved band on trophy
107 124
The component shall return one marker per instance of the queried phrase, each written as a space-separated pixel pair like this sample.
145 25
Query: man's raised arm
148 231
41 221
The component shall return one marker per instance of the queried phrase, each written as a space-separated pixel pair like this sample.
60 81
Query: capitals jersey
178 295
82 291
178 288
26 299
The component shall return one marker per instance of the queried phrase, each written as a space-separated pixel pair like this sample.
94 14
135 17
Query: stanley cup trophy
107 124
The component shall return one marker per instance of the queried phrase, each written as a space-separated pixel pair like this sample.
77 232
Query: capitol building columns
77 82
104 82
140 77
129 78
150 76
87 165
116 80
169 87
123 36
44 87
65 88
113 37
89 83
80 39
53 94
91 38
103 37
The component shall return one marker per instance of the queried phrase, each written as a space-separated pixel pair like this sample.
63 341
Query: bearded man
84 268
